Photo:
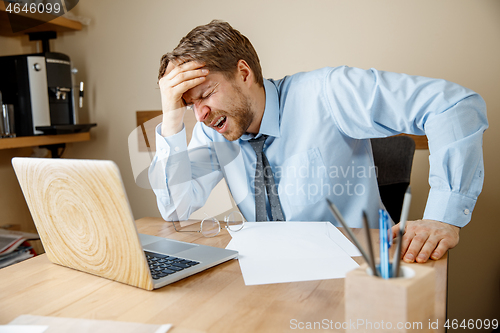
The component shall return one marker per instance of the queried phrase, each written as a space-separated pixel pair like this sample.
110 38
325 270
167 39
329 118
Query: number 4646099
471 324
33 8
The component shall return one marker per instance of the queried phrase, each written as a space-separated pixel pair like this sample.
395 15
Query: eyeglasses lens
234 221
210 227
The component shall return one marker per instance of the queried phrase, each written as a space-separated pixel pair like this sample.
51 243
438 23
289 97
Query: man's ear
244 72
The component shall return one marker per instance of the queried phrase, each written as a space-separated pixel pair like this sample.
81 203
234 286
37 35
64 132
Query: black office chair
393 158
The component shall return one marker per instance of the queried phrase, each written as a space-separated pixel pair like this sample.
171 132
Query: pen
339 218
404 217
384 244
370 248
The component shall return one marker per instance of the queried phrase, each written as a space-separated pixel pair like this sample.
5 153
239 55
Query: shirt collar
270 124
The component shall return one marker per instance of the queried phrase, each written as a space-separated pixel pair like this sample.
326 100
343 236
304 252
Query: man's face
220 104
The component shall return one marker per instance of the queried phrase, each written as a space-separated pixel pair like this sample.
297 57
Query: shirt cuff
171 144
449 207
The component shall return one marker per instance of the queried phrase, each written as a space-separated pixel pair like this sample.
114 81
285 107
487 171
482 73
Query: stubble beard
240 117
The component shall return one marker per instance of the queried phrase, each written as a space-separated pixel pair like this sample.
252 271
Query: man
315 128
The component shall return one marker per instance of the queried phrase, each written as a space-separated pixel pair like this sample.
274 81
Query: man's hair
217 45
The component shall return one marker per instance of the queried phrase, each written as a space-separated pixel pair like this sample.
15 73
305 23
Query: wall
458 40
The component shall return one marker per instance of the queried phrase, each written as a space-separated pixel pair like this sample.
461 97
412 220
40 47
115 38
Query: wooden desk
215 300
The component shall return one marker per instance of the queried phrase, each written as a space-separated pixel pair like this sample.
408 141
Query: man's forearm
456 161
172 122
180 184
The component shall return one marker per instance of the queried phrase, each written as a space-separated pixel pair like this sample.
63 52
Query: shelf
42 140
58 24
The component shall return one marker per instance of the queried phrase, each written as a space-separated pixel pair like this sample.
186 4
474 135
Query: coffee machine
40 88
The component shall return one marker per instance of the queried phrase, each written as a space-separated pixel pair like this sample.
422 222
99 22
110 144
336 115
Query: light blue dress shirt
318 125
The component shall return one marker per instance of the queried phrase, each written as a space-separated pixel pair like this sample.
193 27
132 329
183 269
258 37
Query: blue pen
384 243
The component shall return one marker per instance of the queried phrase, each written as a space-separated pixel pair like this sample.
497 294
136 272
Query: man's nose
201 112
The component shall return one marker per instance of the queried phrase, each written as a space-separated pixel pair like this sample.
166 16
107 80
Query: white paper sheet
341 240
77 325
23 328
277 252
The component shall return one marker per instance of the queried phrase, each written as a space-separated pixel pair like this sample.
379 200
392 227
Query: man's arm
370 103
181 179
173 85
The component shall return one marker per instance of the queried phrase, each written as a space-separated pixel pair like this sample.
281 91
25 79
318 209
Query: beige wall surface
459 40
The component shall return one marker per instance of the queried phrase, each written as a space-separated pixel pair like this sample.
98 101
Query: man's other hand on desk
426 239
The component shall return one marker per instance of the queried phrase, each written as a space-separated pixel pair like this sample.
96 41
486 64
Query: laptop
84 220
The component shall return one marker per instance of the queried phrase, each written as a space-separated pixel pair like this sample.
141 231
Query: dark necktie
264 182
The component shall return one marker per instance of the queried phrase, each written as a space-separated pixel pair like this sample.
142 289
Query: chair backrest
148 120
393 157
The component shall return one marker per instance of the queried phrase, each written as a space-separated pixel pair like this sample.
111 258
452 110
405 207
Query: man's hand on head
177 80
426 239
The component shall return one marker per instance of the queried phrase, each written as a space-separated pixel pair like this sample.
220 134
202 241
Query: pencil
404 217
370 248
339 218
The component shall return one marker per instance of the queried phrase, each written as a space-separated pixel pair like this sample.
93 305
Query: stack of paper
275 252
8 243
13 248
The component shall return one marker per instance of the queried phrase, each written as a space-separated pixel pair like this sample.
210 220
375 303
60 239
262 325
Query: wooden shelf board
58 24
42 140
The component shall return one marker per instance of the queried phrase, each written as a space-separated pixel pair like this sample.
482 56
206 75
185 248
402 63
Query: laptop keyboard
162 265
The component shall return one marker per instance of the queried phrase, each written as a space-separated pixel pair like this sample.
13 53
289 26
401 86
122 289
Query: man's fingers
405 243
395 231
416 244
178 79
174 70
171 65
427 249
426 239
441 249
172 96
187 76
184 86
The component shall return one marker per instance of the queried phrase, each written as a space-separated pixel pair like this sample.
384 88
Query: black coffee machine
40 88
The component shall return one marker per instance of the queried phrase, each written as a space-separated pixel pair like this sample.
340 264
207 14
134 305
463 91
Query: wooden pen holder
403 304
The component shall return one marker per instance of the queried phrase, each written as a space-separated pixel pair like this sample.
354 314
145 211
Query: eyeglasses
210 226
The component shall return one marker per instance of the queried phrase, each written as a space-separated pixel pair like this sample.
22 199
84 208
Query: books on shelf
14 247
9 243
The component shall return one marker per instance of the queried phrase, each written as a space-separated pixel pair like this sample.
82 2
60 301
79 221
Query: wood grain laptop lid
83 217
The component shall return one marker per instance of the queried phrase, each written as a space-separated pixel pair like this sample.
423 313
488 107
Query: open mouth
220 122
